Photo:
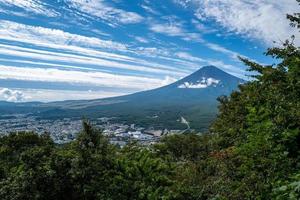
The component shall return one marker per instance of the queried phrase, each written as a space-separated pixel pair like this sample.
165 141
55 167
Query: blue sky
82 49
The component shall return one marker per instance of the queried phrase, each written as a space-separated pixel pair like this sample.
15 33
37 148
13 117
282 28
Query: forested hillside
252 151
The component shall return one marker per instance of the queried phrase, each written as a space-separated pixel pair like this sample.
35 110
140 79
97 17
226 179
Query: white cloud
43 36
149 9
175 29
88 50
85 47
231 54
32 6
76 59
194 63
152 51
183 3
189 57
79 77
100 9
12 95
264 20
204 83
141 39
234 55
77 50
168 80
171 29
46 95
44 64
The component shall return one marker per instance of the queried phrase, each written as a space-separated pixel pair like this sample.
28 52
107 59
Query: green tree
142 175
23 159
93 164
261 122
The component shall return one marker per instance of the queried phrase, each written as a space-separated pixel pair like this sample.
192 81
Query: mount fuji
193 97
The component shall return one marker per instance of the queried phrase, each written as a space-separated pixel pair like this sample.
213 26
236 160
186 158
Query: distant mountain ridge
193 97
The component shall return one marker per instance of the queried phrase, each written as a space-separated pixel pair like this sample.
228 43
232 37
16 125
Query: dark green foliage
186 147
260 123
32 167
141 175
288 189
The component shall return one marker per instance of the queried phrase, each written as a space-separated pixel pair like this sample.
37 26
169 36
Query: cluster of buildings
120 134
60 130
65 130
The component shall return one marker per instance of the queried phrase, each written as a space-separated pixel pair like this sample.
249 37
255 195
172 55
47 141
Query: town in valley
66 129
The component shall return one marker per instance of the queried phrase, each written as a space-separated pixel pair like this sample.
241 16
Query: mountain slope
193 97
205 85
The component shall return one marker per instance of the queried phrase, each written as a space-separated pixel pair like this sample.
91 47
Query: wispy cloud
78 49
128 46
175 29
172 29
101 9
30 6
149 9
40 35
255 19
76 59
141 39
189 57
72 51
203 29
227 67
78 77
234 55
